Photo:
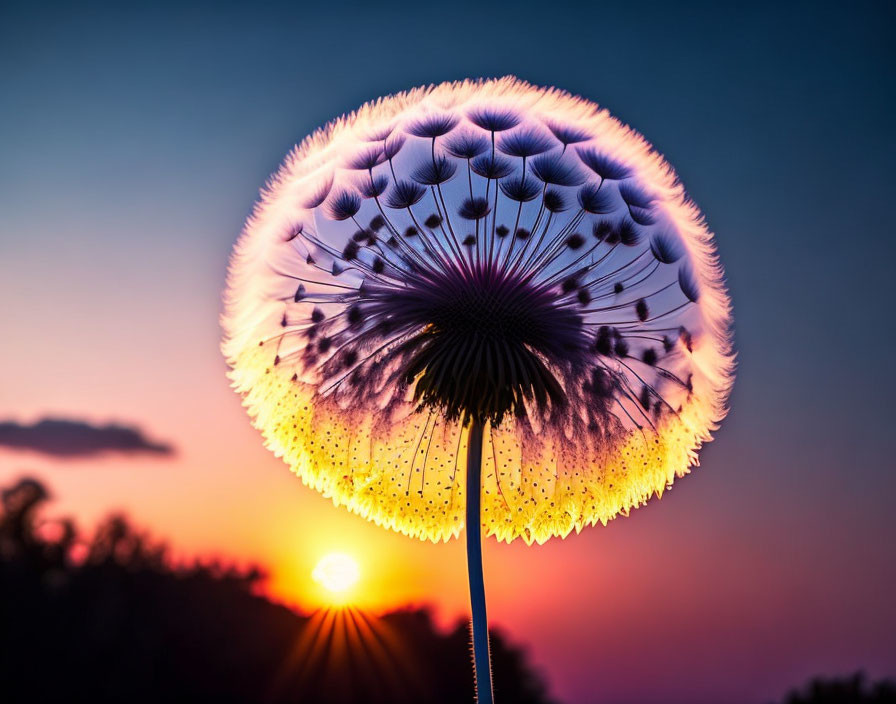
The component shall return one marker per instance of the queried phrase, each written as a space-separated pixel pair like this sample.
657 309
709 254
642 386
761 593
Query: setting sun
336 572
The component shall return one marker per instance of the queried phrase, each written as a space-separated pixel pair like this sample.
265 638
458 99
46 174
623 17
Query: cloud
74 438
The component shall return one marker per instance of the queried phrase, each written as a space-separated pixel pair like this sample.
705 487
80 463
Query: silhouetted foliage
110 619
847 690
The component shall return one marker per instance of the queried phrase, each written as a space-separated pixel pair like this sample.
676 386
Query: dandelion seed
601 229
525 144
575 241
594 201
688 283
367 159
435 172
374 187
467 146
666 248
554 201
635 196
556 171
642 310
520 190
492 167
344 206
493 119
404 195
474 208
628 233
604 166
433 126
392 146
568 134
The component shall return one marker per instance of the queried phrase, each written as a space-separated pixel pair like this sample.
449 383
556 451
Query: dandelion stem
481 654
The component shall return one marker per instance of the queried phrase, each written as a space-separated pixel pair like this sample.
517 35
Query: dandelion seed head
482 250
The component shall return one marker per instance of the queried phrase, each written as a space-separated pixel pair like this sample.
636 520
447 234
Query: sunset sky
133 143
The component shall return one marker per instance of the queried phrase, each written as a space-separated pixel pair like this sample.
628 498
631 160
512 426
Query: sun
336 572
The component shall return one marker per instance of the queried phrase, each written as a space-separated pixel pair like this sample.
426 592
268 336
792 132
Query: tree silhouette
109 618
847 690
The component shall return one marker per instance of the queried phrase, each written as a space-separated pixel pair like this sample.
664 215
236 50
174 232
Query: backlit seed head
480 251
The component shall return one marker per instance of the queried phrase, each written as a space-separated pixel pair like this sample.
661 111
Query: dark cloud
74 438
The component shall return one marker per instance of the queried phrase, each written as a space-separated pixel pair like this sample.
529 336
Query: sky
134 139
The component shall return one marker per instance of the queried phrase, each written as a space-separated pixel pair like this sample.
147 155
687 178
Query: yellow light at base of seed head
336 572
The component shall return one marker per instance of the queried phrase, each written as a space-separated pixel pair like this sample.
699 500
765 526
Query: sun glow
337 573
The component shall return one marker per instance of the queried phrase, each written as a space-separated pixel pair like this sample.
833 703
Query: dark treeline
848 690
107 618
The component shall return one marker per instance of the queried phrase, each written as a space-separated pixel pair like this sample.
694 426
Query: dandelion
483 305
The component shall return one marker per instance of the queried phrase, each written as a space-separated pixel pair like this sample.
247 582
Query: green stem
481 656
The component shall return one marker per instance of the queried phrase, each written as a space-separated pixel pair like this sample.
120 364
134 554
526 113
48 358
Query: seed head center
489 343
